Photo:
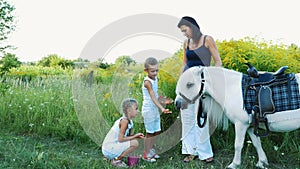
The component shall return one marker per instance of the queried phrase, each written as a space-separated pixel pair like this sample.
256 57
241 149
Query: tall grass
41 106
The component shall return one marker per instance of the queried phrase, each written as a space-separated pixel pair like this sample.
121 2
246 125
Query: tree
103 65
54 60
7 22
7 62
125 60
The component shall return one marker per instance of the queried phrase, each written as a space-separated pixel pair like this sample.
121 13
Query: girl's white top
111 143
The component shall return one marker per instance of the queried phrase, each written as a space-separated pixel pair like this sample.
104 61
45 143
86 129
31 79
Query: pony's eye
190 84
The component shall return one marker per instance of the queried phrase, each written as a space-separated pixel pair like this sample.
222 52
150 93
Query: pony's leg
262 158
240 132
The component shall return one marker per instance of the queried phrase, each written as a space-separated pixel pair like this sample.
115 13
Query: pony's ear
188 84
199 71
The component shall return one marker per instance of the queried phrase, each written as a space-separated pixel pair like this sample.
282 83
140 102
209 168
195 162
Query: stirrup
256 127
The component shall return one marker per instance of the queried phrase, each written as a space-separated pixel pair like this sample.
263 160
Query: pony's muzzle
180 103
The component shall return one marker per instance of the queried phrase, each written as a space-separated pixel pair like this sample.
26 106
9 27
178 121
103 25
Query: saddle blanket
279 95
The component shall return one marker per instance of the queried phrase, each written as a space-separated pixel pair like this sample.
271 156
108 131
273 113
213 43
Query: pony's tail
215 113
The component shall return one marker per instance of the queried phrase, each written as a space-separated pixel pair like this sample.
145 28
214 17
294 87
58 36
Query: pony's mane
216 114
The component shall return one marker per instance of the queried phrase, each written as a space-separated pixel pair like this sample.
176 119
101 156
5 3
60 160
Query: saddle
262 84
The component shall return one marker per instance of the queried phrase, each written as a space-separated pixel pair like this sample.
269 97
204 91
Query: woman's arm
211 45
184 56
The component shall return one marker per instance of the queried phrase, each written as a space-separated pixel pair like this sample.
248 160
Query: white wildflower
40 156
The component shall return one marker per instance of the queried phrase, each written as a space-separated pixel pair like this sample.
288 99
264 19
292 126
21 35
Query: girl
119 142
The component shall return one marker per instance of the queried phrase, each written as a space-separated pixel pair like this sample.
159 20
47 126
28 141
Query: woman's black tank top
198 57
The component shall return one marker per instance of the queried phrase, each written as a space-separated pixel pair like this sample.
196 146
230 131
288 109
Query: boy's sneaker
153 154
148 157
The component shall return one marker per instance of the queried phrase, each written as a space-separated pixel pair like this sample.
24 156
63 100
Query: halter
200 114
199 93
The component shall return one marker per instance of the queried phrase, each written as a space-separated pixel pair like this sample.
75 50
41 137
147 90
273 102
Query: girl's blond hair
126 104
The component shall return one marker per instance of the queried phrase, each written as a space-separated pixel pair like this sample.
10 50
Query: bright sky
64 27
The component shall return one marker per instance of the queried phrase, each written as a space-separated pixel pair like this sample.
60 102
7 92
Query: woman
198 51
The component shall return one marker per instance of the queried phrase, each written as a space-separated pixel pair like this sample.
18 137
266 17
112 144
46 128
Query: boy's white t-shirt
149 109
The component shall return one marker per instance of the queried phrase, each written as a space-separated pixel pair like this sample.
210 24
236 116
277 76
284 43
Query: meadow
60 119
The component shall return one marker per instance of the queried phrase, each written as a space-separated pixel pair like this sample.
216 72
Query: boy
150 108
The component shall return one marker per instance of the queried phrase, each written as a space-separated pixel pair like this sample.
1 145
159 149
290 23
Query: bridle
200 113
192 101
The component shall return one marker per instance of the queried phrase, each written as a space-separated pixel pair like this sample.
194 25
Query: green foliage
103 65
125 61
42 106
30 72
105 75
265 56
7 62
81 60
4 88
7 22
54 60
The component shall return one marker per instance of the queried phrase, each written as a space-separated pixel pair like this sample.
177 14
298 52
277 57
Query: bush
265 56
7 62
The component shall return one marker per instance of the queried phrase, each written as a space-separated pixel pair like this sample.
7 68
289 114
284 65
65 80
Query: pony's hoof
262 164
232 166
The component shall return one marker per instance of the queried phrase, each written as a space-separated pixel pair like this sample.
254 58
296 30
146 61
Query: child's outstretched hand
167 111
164 100
140 135
168 101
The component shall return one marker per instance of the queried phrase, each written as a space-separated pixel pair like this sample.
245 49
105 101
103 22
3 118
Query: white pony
224 97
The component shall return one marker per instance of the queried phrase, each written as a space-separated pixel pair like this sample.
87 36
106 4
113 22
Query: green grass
40 152
29 151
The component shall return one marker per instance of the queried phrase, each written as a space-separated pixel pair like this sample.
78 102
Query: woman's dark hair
191 22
